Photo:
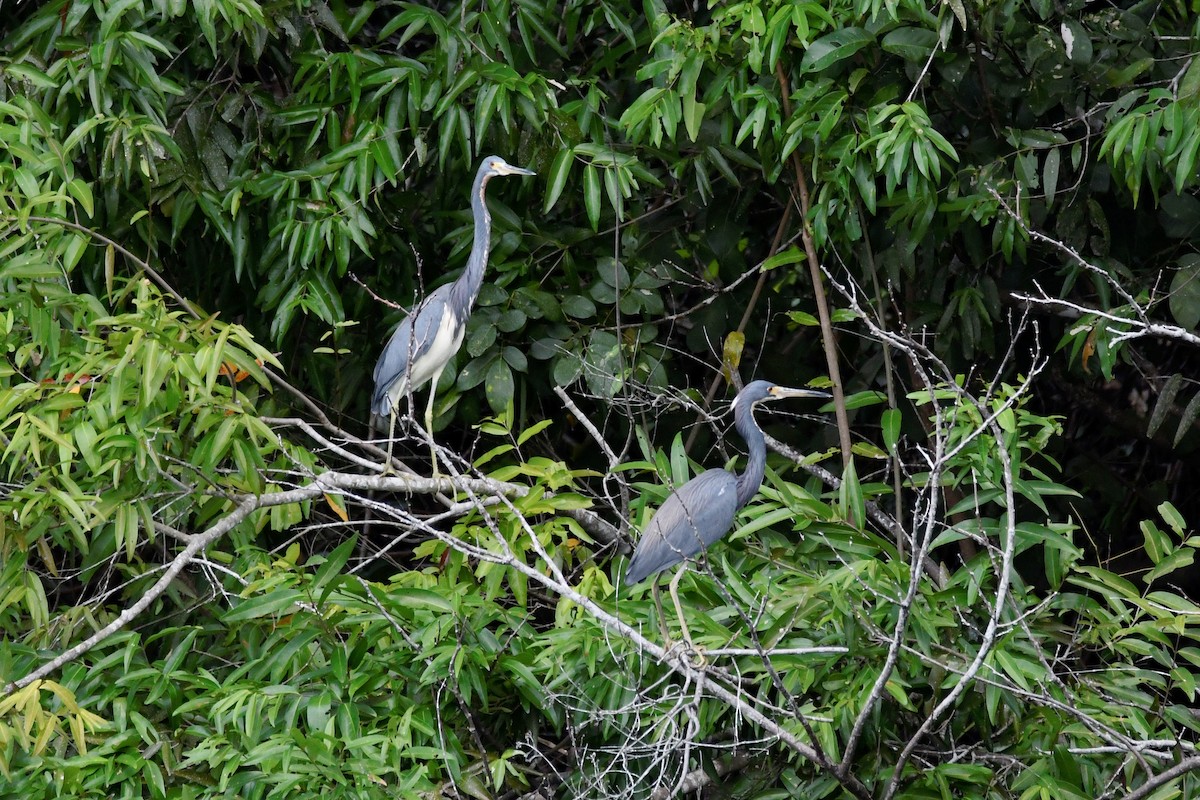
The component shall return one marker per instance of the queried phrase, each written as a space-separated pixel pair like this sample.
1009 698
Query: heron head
757 391
495 165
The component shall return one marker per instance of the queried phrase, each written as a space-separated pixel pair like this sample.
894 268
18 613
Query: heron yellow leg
662 617
674 588
429 422
387 465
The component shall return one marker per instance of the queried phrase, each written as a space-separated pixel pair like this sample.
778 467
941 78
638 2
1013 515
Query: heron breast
447 338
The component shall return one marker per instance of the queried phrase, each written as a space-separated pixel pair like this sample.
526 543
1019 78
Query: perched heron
702 510
429 337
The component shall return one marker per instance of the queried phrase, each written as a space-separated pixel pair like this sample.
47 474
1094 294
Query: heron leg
387 465
662 617
683 628
429 422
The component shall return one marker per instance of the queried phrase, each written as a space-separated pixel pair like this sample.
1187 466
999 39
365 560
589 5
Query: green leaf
834 47
545 348
911 44
270 604
867 450
1187 419
533 430
567 368
960 12
863 399
761 520
556 179
1105 582
1185 681
890 421
334 562
412 600
515 358
1050 175
1165 403
1176 560
693 115
804 318
1018 669
498 386
82 192
1184 298
482 337
591 195
604 363
792 255
1174 602
511 320
474 372
578 306
1157 544
1189 87
1172 517
851 500
1076 41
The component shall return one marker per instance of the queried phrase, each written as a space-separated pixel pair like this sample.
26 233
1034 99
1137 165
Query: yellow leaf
110 262
1089 347
338 507
731 355
64 694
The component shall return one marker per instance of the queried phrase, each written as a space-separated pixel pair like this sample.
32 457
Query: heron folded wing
694 516
411 340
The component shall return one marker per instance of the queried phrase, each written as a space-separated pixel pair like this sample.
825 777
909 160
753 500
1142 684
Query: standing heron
702 510
429 337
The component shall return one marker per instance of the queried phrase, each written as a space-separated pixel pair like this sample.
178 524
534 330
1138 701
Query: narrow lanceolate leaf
265 605
591 195
338 506
340 554
1050 175
960 12
1187 419
890 422
693 115
1176 560
560 170
110 265
1166 399
850 496
792 255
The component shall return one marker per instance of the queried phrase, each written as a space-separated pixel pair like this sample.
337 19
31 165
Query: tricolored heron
429 337
702 510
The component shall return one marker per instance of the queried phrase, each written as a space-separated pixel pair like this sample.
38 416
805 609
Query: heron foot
687 652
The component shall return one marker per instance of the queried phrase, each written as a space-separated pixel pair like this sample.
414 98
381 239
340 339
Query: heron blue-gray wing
693 516
401 358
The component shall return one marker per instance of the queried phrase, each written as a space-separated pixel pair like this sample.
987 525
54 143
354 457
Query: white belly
446 341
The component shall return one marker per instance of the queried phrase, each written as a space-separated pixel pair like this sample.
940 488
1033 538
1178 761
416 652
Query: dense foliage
213 211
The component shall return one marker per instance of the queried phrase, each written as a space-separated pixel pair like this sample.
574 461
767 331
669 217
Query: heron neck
466 288
756 463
